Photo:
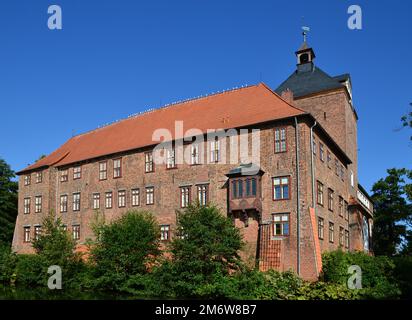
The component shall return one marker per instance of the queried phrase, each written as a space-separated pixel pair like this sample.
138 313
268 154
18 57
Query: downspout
312 169
297 196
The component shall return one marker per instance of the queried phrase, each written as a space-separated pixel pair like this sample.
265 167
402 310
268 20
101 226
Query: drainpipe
312 167
297 196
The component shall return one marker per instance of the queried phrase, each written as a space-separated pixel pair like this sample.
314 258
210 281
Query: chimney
287 95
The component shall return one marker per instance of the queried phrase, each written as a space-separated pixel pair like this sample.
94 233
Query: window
117 168
347 238
109 200
77 172
39 177
321 152
184 197
103 170
37 231
314 145
328 159
170 159
337 167
135 197
121 198
250 187
37 204
234 189
280 140
320 193
96 200
64 227
331 232
346 210
330 199
148 156
320 228
27 180
342 172
27 205
281 188
76 201
76 232
340 206
281 224
194 154
150 195
341 236
352 179
214 151
63 203
26 231
64 175
165 232
203 194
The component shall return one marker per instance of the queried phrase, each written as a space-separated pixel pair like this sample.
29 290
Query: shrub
31 271
378 281
126 247
403 274
207 248
7 265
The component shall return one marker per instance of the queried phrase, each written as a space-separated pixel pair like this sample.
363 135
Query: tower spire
305 31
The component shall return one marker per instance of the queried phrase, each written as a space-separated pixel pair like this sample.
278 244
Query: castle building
299 198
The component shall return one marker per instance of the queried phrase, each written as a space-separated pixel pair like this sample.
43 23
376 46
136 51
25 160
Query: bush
378 281
7 265
207 248
126 247
31 271
403 274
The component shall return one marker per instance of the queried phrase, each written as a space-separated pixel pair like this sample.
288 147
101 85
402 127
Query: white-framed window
27 179
27 202
26 234
194 153
135 197
281 226
77 172
321 226
76 201
149 195
96 200
64 175
103 170
37 204
170 159
352 179
39 177
117 168
37 232
184 196
280 140
63 203
331 232
109 200
281 188
149 167
121 198
214 151
341 236
76 232
321 152
203 194
165 232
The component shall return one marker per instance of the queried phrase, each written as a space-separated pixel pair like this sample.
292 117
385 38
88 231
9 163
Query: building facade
296 199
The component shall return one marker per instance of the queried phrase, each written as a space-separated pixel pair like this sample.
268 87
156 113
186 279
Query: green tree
126 247
206 248
8 203
393 211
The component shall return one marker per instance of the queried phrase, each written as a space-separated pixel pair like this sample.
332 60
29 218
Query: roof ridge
166 106
273 92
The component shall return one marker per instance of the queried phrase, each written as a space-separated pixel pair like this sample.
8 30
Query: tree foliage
128 246
8 203
407 119
392 198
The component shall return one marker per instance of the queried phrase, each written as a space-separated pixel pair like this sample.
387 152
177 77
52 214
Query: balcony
244 189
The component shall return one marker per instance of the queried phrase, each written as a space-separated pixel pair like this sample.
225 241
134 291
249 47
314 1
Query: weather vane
305 29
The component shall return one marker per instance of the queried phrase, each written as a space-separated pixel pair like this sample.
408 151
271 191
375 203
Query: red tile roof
230 109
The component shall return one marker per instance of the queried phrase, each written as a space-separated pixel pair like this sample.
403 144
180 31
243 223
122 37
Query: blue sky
115 58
